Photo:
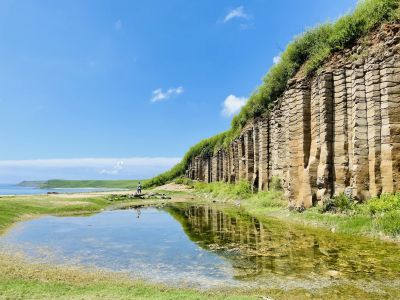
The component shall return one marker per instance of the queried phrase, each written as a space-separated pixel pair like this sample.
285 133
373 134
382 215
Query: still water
204 247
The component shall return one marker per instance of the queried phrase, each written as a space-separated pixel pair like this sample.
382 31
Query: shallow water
204 247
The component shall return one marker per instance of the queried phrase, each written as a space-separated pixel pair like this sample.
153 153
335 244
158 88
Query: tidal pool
202 246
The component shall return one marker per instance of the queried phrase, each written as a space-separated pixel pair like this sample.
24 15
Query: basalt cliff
335 131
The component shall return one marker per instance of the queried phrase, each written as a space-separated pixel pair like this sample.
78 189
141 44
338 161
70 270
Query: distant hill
27 183
59 183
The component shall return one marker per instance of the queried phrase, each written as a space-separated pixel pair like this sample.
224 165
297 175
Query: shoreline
20 277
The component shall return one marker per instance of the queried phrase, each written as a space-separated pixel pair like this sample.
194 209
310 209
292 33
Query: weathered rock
334 132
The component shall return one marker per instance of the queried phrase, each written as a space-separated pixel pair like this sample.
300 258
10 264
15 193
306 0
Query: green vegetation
22 280
120 184
13 209
27 183
308 51
379 216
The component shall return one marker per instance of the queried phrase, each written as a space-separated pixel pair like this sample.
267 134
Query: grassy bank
378 217
22 280
16 208
119 184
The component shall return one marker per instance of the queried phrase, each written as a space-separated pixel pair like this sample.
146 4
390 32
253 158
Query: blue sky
128 79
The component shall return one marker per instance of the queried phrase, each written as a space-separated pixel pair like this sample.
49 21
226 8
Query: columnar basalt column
349 101
249 154
390 111
360 179
242 158
315 145
373 98
299 145
236 160
227 172
340 139
231 172
263 154
256 147
214 168
284 138
324 173
208 170
218 164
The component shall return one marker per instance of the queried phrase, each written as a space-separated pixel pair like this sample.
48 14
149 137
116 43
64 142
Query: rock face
332 132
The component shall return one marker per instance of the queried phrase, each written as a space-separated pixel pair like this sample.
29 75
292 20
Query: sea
13 189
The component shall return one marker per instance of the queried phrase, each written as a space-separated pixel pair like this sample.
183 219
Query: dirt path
173 187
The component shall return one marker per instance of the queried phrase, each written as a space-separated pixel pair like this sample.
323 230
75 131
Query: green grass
377 217
121 184
308 51
22 280
13 209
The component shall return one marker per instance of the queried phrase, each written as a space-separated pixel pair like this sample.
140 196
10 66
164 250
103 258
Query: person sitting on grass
139 189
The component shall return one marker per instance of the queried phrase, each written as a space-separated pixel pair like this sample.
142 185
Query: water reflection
208 246
270 248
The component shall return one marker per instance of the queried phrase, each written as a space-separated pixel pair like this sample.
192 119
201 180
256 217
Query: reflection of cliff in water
261 248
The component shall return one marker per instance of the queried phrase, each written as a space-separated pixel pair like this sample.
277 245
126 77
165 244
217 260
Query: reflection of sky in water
235 250
153 246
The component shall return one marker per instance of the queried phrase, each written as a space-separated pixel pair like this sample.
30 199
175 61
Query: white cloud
13 171
118 24
276 59
115 170
159 95
238 12
232 105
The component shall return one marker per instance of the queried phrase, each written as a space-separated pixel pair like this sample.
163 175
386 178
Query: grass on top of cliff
379 216
308 51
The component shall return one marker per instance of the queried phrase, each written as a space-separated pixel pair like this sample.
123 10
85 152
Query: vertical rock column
207 175
315 145
227 163
360 174
373 95
256 147
324 173
242 158
249 154
236 158
214 168
340 139
263 169
299 145
390 110
231 174
349 100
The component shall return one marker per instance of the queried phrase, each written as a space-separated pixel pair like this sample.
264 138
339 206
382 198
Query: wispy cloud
160 95
237 12
115 170
84 168
276 59
232 105
118 24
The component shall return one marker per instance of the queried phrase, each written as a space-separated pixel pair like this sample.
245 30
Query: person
139 188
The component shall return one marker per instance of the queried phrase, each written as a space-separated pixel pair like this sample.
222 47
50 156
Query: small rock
333 273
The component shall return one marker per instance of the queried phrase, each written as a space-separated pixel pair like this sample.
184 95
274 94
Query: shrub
270 199
385 203
275 184
339 203
389 222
